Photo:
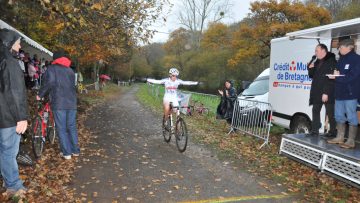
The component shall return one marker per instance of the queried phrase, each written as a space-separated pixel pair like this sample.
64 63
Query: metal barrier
154 90
121 83
253 118
210 101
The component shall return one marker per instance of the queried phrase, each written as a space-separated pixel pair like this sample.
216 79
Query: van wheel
300 125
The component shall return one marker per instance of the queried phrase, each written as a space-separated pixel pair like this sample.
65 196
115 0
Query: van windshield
258 87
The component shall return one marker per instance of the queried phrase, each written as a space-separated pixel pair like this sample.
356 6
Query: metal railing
253 118
154 91
209 101
122 83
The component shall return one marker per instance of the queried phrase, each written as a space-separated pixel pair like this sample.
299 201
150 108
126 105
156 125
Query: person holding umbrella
103 79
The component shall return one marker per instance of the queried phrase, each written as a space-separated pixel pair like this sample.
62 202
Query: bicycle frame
45 119
177 113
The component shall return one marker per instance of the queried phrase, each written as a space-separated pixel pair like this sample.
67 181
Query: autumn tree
216 37
90 30
154 53
349 12
271 19
179 42
333 6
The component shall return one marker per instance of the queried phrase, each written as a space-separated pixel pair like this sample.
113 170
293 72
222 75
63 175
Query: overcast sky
238 11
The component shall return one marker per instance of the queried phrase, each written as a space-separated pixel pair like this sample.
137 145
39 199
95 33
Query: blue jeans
9 148
65 122
345 110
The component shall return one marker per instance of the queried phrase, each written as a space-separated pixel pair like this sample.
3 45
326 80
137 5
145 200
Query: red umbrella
105 77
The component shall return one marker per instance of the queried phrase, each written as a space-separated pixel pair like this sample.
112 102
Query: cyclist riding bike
171 85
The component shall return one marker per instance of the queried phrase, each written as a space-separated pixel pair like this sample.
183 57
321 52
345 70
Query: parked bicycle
44 128
179 129
81 88
198 108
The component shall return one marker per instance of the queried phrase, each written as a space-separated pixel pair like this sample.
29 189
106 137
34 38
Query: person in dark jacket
322 89
226 106
346 93
13 110
59 84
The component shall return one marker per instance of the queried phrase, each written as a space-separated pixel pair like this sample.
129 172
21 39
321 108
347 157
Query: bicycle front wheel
167 129
51 131
37 138
181 135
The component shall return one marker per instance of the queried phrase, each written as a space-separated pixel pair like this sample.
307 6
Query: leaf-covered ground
49 179
306 182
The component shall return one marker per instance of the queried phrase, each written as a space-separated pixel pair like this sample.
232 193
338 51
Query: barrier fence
253 118
122 83
154 90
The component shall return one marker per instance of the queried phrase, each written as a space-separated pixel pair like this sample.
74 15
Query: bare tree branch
195 15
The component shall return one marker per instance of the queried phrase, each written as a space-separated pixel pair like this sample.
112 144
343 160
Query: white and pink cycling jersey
171 88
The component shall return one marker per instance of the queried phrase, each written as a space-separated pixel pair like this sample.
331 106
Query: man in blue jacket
59 84
13 110
347 93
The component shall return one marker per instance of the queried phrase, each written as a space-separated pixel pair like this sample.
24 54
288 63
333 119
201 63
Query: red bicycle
44 128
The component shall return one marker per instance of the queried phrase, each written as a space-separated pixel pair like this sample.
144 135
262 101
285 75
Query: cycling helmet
174 71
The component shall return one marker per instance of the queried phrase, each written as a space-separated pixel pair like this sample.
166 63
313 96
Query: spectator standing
346 93
13 110
228 98
59 84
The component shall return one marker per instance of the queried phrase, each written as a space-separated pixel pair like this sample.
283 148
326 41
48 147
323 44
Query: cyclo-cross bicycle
179 129
44 128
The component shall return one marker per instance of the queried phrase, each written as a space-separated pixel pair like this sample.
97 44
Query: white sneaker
76 155
68 157
18 193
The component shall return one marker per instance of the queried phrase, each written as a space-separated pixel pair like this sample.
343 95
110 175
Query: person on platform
347 92
322 89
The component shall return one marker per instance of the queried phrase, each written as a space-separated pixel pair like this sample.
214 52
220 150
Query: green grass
145 95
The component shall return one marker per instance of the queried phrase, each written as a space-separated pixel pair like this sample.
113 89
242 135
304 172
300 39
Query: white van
258 90
289 84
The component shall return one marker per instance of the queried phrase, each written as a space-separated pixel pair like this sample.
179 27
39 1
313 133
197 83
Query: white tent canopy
31 46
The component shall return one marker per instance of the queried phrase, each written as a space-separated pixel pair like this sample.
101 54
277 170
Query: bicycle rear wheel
205 111
181 135
37 138
51 131
167 129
